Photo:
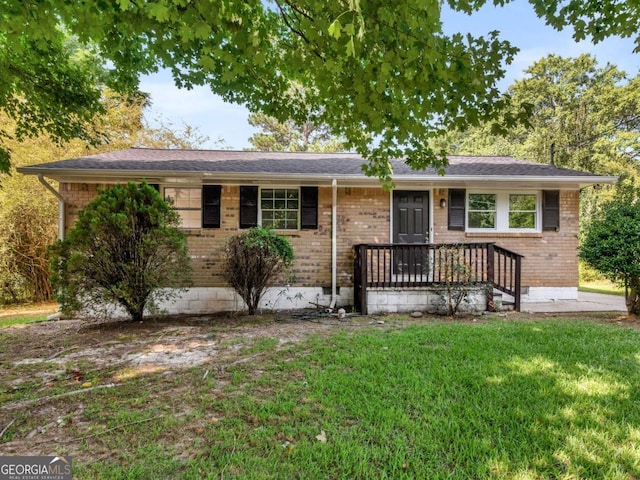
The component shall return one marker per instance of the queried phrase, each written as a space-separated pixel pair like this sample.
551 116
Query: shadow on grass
510 400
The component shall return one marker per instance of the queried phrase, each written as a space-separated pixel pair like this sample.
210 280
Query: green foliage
378 70
49 84
254 261
27 228
125 248
594 20
611 244
590 113
373 70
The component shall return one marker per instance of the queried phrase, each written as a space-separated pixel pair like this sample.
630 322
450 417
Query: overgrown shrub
125 249
254 261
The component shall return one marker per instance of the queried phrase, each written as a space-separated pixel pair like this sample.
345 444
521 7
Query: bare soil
46 366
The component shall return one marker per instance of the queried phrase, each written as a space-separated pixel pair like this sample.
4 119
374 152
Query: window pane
195 198
482 201
522 202
482 220
190 218
522 211
280 208
188 203
522 220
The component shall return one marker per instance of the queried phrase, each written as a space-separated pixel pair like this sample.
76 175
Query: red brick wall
364 217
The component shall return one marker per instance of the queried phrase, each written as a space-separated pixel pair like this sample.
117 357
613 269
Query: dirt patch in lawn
48 369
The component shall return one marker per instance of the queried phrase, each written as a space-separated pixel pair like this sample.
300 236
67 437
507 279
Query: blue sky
516 21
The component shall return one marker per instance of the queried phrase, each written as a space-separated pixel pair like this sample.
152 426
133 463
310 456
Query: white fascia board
114 176
506 181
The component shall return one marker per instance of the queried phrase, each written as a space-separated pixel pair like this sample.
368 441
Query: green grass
502 399
601 286
21 320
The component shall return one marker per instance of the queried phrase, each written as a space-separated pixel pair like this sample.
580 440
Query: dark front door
410 225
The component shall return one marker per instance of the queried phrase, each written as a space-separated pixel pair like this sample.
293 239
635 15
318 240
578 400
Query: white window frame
260 220
185 209
502 211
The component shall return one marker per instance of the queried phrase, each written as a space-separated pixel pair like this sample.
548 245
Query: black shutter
211 206
551 210
155 186
248 207
457 208
309 208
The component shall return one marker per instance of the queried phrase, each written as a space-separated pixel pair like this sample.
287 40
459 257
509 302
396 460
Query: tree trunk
632 297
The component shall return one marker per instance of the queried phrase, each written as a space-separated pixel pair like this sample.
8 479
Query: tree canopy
589 113
382 74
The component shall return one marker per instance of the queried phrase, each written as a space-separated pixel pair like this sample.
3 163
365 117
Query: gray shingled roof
149 161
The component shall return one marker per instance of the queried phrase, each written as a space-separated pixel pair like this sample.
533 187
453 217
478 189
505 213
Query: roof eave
108 176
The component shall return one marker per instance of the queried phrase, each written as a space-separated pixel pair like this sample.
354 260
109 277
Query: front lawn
507 397
601 286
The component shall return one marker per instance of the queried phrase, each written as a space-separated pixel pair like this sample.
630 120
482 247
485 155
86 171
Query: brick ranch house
355 243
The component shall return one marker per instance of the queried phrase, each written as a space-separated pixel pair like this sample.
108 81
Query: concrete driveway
586 302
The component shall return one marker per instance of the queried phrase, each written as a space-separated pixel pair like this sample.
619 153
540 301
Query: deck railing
420 265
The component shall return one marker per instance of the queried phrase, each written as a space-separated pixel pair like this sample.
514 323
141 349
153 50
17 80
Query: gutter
334 243
61 206
355 180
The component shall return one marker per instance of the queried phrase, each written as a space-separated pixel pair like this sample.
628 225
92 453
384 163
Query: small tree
125 249
254 261
611 245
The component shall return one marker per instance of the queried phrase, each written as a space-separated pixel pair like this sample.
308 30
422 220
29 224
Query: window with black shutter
457 204
309 208
211 206
248 207
551 210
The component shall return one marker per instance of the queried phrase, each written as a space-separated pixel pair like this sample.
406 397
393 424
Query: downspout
334 243
61 206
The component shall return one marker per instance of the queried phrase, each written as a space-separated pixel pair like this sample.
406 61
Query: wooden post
518 289
490 277
364 279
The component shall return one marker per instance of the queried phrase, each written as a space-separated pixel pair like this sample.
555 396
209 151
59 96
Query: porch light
443 203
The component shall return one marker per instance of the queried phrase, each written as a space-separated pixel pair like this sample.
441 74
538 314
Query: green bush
254 260
125 249
611 245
